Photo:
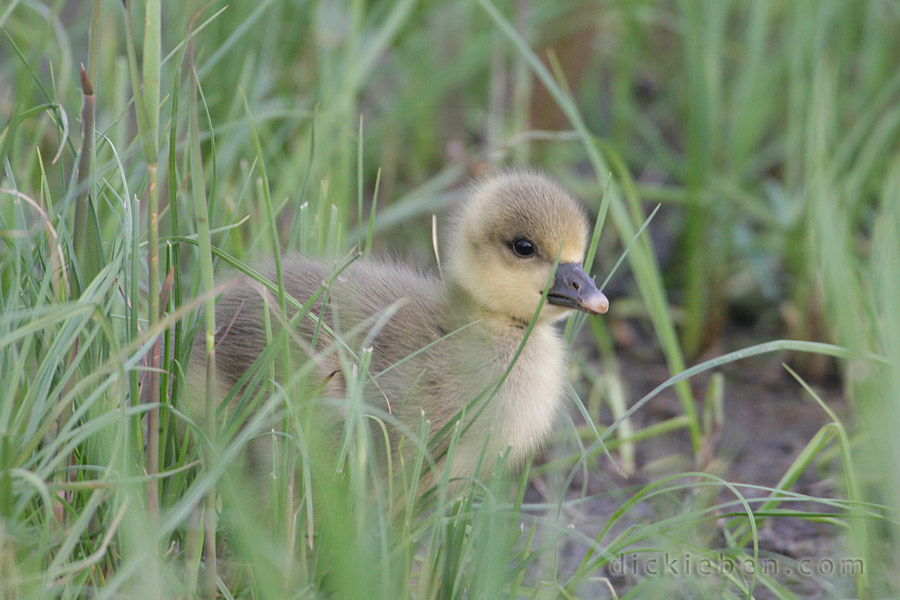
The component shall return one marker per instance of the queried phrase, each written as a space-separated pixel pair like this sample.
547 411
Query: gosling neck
470 309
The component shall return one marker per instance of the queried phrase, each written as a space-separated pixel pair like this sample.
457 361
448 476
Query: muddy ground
769 419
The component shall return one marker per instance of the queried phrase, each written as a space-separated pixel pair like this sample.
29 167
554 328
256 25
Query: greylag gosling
448 343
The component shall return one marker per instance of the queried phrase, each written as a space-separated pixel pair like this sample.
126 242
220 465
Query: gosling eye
524 248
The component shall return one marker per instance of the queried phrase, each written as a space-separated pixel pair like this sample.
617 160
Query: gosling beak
574 288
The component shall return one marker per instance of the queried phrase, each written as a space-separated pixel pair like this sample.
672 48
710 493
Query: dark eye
524 248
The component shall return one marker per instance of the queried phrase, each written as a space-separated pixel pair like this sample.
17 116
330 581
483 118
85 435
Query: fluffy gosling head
507 237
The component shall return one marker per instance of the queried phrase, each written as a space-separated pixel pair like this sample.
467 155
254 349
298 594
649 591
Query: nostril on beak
575 285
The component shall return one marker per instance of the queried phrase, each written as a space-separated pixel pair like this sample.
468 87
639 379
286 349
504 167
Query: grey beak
574 288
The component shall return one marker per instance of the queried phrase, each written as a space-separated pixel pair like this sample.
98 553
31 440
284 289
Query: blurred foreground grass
769 131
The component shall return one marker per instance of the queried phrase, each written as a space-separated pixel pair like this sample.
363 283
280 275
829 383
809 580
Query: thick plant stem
207 283
150 68
151 65
84 257
153 269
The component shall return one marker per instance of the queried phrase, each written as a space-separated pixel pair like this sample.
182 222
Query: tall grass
216 135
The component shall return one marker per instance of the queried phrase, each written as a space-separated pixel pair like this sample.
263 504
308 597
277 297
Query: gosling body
442 348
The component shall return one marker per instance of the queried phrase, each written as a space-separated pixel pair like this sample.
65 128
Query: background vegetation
767 129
